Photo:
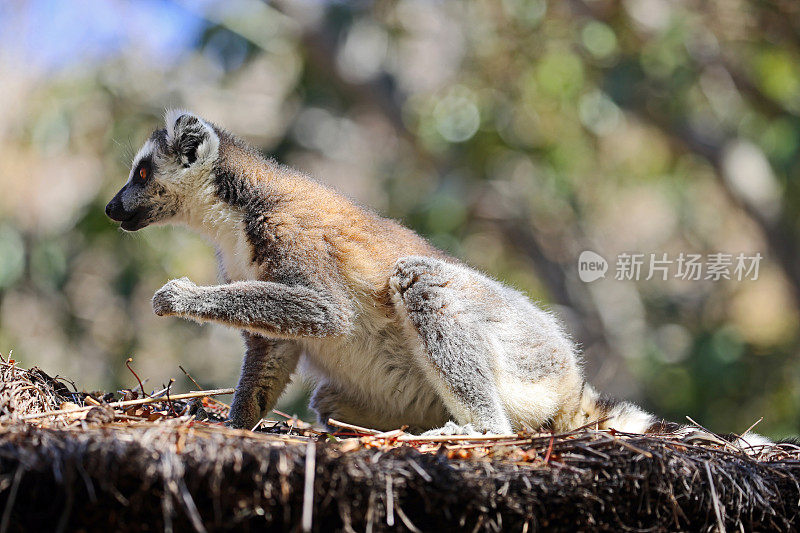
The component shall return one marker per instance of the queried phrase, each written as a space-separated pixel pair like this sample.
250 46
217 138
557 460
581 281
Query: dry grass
171 465
25 391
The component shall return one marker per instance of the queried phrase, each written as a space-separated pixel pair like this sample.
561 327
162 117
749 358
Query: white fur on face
148 148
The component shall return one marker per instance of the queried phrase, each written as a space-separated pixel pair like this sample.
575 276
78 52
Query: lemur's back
325 228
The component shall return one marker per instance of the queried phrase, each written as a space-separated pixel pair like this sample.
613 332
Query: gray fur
267 367
260 307
414 338
429 293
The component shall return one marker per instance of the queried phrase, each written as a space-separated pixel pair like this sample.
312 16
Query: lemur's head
174 164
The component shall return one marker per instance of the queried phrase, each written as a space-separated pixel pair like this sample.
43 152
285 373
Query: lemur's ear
192 139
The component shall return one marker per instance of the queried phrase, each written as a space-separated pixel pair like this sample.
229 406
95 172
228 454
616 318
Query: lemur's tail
630 418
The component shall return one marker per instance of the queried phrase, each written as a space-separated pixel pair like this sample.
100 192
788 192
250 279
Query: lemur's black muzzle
115 211
130 220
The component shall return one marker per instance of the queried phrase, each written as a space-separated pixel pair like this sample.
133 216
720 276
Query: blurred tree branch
780 231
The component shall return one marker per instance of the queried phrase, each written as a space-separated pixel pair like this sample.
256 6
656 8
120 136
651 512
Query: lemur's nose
115 211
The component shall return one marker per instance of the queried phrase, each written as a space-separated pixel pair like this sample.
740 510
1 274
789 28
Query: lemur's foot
410 270
420 282
245 412
238 424
173 297
451 428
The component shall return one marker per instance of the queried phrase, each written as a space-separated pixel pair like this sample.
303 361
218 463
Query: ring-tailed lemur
396 332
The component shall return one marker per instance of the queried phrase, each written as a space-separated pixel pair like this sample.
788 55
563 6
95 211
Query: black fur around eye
144 170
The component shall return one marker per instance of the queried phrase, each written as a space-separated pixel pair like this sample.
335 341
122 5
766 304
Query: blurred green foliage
515 134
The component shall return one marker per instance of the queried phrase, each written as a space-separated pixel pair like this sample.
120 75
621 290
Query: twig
336 423
169 403
128 403
141 386
389 501
549 449
423 474
121 416
632 447
488 444
308 488
12 495
748 430
590 424
406 521
389 434
190 377
717 510
713 437
160 393
454 438
223 404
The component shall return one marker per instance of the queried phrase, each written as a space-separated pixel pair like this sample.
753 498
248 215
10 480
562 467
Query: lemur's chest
235 257
234 251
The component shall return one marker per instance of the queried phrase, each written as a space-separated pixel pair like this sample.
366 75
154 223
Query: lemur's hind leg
441 305
267 367
331 401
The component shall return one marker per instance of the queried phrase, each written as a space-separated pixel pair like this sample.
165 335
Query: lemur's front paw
173 297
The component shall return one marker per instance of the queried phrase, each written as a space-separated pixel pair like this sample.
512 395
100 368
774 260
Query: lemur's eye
143 173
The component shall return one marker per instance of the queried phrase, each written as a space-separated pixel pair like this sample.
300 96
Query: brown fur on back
318 224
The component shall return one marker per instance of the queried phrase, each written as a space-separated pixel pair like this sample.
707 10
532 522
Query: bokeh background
513 133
